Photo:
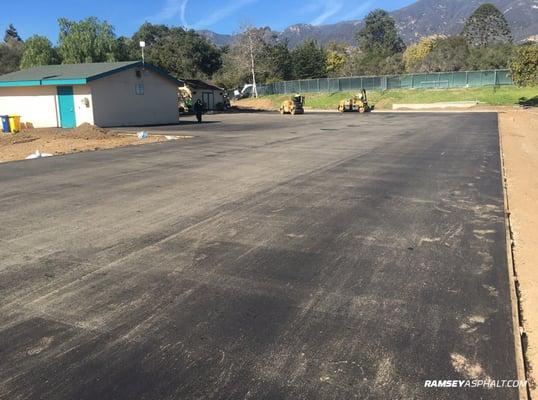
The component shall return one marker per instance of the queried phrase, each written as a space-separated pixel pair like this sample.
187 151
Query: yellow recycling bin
15 123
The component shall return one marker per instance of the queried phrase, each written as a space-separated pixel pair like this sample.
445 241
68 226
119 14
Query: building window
139 89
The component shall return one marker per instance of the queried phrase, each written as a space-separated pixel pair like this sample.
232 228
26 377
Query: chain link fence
436 80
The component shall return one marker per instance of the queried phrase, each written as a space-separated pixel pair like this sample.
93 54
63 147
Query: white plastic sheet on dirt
38 154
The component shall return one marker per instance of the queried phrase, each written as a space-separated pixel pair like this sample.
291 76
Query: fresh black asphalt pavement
320 256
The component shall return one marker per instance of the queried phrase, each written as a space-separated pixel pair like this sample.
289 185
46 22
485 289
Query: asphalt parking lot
318 256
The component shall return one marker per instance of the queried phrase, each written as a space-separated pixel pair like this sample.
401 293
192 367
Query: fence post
466 78
495 78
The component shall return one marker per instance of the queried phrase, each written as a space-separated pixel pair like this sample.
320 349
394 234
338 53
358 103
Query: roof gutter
44 82
84 81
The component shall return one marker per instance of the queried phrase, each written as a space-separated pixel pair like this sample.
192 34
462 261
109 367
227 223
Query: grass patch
497 96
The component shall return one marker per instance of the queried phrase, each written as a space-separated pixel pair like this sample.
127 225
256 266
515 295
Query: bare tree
249 47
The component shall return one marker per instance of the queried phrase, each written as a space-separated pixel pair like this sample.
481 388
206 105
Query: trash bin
5 123
15 123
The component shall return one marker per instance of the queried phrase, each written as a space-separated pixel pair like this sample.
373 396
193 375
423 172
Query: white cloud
360 10
330 8
171 10
221 13
182 11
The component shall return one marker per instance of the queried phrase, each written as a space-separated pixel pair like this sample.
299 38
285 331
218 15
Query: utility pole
251 45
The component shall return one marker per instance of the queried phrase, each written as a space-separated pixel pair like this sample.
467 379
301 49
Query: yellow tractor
293 106
358 103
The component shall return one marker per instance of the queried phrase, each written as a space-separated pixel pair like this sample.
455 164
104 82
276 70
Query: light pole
142 45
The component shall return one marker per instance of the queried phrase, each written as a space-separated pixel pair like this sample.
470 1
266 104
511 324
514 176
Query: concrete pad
440 105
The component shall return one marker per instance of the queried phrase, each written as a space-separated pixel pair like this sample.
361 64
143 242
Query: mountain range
420 19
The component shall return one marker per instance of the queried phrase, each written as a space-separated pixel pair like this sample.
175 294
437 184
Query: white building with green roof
102 94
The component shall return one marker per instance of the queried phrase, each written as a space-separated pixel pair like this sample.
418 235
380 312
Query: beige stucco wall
35 104
218 97
115 102
38 105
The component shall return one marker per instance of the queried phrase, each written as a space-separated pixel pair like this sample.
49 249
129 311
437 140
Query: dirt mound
88 131
257 104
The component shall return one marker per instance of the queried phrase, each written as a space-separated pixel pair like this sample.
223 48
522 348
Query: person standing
198 110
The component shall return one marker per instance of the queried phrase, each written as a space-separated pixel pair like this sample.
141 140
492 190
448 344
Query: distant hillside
217 38
428 17
422 18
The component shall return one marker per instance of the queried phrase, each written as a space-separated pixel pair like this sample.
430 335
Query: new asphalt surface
319 256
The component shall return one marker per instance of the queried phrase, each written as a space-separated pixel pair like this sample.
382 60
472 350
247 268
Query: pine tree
309 61
487 26
12 35
379 36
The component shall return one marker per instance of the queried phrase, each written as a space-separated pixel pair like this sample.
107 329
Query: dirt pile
88 131
255 104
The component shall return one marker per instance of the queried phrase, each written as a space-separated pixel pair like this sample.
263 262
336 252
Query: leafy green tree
448 54
379 36
309 61
150 33
337 59
86 41
10 58
126 49
415 54
185 54
524 66
38 50
487 26
496 56
276 63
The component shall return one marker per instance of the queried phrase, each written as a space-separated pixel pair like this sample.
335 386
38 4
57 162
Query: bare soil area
519 136
255 104
56 141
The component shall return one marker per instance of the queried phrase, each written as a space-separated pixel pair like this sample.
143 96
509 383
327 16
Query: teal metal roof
71 74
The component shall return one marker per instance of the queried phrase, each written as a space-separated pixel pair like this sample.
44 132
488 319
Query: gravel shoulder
518 129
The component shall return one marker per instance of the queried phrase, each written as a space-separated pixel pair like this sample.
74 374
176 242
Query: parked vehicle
358 103
293 106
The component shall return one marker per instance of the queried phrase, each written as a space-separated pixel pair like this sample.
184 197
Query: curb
522 366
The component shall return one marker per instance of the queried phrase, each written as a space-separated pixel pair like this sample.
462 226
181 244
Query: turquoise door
66 103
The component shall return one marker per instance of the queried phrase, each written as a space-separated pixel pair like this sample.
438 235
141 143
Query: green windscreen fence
436 80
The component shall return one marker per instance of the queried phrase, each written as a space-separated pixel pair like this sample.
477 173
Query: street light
142 45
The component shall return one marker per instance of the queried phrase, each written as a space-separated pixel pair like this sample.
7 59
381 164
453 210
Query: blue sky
39 16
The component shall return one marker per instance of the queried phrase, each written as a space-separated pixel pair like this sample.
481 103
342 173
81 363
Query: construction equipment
293 106
358 103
